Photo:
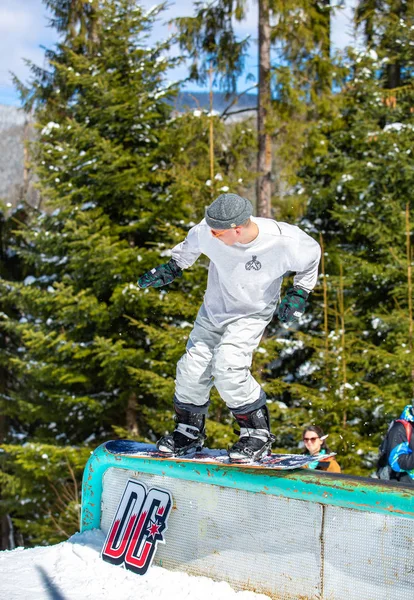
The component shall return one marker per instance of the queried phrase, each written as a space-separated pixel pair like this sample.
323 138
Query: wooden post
325 299
410 288
342 321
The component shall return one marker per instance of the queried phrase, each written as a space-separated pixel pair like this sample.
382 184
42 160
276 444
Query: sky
73 570
24 29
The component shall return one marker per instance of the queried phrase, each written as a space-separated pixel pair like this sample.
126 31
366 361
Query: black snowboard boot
255 438
188 436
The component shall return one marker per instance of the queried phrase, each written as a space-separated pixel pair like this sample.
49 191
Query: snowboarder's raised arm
183 256
186 253
304 256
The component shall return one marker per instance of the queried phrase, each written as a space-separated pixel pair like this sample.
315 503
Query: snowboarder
248 258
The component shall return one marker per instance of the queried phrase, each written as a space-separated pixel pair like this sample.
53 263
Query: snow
367 54
397 126
74 570
49 127
29 280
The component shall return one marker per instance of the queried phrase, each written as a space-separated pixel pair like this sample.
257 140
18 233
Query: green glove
293 305
162 275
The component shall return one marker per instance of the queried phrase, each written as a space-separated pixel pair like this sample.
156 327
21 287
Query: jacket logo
253 264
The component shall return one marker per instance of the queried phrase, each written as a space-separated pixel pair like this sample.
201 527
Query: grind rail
288 534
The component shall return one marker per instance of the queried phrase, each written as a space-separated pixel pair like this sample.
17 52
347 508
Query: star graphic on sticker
154 528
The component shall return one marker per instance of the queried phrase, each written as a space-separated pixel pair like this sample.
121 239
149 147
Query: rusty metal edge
354 493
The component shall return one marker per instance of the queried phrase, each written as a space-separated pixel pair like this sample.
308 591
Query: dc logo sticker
138 526
253 264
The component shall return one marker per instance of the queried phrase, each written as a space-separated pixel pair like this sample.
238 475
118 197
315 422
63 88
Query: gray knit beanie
228 210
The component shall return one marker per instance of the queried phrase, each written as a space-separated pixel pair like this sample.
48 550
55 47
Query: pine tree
105 172
77 20
11 269
381 24
291 87
358 178
122 179
210 40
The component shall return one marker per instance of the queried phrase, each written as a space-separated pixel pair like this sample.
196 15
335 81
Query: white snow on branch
397 127
47 130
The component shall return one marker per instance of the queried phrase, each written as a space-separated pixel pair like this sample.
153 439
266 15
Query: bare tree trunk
3 391
93 25
393 75
324 12
410 289
131 415
264 156
342 320
211 133
324 9
409 276
2 428
393 69
6 537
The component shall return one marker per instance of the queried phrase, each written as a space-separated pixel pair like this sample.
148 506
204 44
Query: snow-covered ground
73 570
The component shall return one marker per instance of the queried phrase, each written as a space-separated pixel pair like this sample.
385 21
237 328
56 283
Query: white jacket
245 279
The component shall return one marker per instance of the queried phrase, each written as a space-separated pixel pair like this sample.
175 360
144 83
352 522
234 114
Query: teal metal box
286 534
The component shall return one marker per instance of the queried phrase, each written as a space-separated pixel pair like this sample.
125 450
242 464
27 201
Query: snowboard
280 462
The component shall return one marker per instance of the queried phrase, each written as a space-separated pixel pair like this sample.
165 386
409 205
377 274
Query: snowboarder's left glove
293 305
162 275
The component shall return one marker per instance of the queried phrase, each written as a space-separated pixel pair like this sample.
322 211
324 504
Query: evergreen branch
397 303
235 100
403 89
392 251
242 110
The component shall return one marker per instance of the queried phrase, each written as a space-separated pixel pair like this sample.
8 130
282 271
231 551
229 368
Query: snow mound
73 570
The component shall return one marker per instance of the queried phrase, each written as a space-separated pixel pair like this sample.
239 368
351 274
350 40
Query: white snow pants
220 356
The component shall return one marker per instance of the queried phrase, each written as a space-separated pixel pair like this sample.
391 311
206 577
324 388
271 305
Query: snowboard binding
255 438
187 438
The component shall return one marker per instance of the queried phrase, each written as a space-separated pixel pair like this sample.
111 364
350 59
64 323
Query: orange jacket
329 464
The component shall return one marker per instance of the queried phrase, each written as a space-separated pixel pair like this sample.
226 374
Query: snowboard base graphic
280 462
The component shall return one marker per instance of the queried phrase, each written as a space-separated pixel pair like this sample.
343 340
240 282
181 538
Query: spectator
315 444
396 461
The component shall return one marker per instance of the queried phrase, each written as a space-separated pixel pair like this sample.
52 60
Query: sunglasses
218 233
312 439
